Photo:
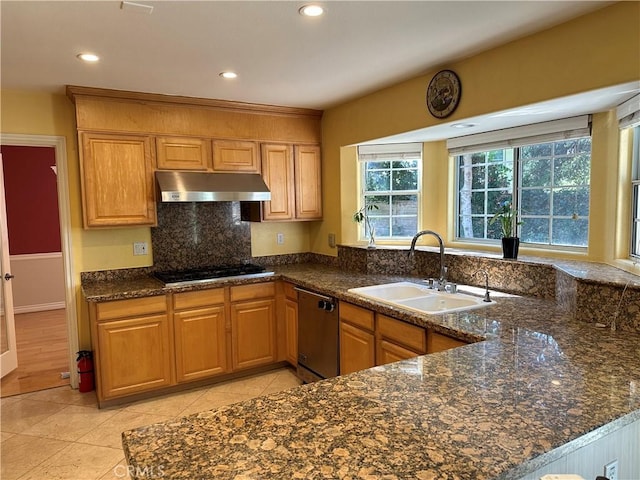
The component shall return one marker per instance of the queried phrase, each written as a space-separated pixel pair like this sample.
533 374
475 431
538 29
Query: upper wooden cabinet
277 171
293 175
117 180
235 156
308 178
183 153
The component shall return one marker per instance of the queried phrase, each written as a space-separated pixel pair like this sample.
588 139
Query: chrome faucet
487 298
442 281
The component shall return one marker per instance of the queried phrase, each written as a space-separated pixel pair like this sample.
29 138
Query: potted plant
362 216
508 217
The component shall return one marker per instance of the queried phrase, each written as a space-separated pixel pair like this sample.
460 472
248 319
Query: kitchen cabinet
308 182
235 156
357 340
398 340
200 327
132 346
291 323
293 175
253 325
436 342
183 153
117 180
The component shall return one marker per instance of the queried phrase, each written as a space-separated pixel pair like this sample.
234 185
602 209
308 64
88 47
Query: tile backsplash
192 235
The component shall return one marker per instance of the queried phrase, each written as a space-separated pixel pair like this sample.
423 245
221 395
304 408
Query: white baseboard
39 308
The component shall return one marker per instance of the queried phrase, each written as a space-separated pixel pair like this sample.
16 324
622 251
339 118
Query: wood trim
73 91
402 333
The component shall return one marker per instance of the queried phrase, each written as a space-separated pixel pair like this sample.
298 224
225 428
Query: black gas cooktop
211 273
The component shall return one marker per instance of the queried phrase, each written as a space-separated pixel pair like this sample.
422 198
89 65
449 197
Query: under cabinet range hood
177 186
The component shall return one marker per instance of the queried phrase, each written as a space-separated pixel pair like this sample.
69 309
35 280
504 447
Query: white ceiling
281 57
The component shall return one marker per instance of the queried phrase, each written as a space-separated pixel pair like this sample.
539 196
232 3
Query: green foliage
363 215
508 217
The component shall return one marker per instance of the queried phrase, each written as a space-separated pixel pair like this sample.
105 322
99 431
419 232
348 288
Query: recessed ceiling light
463 125
311 10
88 57
228 74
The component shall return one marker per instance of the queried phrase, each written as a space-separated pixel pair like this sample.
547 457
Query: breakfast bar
540 386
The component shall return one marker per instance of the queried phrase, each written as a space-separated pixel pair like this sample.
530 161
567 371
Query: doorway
46 326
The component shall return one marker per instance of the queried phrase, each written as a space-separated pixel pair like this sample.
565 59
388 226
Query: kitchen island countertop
541 385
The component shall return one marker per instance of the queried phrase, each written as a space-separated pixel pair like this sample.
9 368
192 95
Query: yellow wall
594 51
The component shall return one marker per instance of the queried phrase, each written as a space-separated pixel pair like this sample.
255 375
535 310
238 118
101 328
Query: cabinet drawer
403 333
235 156
249 292
356 315
130 307
198 298
182 153
439 342
289 291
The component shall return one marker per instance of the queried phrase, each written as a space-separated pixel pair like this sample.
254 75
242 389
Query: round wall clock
443 93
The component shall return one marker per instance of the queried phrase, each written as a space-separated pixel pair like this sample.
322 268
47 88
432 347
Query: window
546 180
628 114
390 179
635 186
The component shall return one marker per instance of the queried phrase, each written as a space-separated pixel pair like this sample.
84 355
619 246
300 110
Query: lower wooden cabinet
368 339
200 334
357 349
291 330
357 340
133 348
437 342
253 325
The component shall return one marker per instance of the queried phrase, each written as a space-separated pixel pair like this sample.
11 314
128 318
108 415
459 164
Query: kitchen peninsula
541 386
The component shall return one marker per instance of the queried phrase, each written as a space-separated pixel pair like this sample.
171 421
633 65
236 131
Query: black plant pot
510 247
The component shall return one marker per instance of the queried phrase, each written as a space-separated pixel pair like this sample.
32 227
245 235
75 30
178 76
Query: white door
9 352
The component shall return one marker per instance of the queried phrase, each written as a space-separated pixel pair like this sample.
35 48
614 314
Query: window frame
516 191
415 149
635 197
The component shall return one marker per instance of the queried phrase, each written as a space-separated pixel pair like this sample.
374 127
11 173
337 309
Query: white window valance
556 130
628 113
392 151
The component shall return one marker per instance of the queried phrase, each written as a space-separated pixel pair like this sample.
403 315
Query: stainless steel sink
420 298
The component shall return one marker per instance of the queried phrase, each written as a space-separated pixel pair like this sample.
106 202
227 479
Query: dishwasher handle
308 292
324 303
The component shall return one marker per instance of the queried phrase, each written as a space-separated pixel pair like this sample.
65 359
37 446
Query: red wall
31 198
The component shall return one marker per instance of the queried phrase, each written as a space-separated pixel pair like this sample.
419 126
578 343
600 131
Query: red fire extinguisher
85 370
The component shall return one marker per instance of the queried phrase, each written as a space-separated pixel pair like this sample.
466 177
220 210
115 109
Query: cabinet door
437 342
308 179
388 352
117 180
357 349
200 343
235 156
291 326
182 153
277 171
135 355
253 329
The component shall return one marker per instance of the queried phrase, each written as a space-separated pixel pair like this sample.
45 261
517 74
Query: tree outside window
548 183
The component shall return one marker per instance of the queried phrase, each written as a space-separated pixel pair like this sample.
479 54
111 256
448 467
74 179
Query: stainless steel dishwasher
317 336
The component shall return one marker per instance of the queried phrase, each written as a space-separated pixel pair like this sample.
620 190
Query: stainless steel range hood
211 187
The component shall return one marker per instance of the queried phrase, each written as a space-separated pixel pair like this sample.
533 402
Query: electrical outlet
611 470
332 240
140 248
280 238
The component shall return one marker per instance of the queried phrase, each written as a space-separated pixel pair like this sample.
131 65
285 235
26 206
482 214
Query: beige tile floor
60 433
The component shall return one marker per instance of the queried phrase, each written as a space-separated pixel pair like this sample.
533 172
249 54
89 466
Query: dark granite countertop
541 385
